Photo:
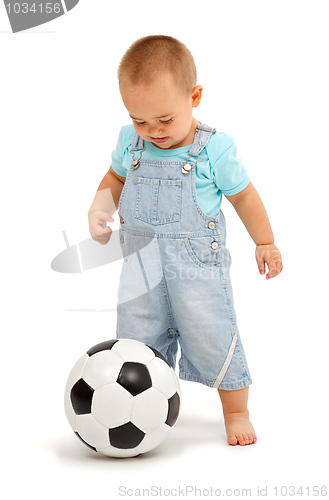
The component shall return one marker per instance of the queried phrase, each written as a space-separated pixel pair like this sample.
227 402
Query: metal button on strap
121 219
212 225
186 168
135 163
214 245
122 239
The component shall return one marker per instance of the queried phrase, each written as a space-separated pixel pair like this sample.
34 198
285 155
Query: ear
196 96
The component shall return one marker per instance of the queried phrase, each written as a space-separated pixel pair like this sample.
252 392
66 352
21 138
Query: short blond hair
151 57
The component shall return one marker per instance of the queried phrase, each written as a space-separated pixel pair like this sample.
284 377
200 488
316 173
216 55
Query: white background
263 66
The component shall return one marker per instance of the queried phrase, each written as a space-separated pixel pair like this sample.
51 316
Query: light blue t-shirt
219 172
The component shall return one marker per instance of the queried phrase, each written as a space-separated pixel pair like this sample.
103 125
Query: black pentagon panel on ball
81 397
173 409
158 354
85 442
103 346
134 377
126 436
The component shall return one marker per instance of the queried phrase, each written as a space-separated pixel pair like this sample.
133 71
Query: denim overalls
175 285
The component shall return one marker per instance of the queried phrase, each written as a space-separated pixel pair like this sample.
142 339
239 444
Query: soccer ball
122 398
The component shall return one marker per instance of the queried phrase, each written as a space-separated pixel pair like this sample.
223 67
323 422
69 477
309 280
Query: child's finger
272 272
260 263
274 268
103 235
104 225
107 218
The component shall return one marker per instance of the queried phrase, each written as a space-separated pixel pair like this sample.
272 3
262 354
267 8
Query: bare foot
239 429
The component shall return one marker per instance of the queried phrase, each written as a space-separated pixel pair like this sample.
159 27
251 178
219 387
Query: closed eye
165 122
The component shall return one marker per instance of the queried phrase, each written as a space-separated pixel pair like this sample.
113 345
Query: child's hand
97 226
270 255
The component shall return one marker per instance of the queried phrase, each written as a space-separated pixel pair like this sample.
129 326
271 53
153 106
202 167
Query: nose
155 131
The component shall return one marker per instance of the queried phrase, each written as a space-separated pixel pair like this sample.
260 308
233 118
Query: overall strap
137 143
201 138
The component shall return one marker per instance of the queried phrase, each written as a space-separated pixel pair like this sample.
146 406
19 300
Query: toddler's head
157 79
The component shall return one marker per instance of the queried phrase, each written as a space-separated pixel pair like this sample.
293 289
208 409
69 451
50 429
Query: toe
250 438
232 440
241 439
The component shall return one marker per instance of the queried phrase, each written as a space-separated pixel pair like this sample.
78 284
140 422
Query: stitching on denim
243 366
194 258
239 384
168 304
133 230
124 190
156 163
154 186
205 216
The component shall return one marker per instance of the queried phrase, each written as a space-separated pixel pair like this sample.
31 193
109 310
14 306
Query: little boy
167 177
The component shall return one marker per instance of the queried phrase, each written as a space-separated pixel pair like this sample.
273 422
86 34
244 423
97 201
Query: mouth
159 140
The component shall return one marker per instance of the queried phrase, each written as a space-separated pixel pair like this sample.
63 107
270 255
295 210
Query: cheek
137 127
183 126
140 130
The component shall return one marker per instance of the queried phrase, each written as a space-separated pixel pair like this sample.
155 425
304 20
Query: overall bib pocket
158 201
205 251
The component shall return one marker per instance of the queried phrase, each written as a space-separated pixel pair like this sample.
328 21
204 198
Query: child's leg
238 426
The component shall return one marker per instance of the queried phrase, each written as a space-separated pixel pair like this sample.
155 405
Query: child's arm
251 211
105 204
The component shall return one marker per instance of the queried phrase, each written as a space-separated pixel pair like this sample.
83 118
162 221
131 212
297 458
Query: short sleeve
229 174
119 162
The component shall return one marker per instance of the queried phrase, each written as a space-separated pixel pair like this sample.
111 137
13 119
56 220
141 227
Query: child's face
162 113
